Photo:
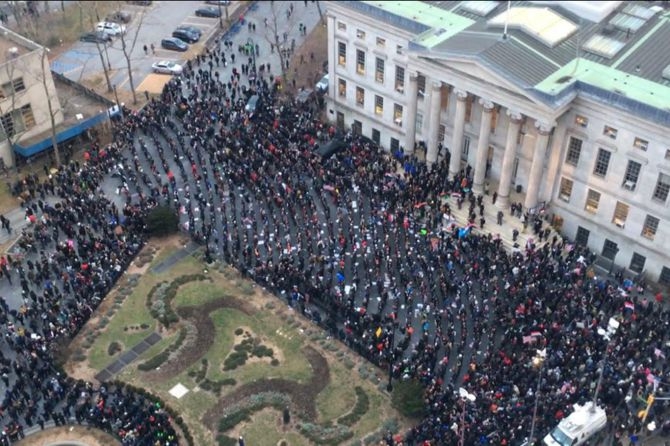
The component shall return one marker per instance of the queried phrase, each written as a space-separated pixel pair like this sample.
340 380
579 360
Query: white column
434 123
410 120
332 60
482 146
537 165
515 119
457 137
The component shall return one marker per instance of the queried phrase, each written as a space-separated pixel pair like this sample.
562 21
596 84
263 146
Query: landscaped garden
228 359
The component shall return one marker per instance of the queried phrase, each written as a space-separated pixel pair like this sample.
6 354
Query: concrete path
127 357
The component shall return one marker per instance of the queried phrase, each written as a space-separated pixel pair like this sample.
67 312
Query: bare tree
105 66
53 111
128 51
272 31
8 107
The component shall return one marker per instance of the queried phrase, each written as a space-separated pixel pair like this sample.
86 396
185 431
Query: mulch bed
303 396
204 338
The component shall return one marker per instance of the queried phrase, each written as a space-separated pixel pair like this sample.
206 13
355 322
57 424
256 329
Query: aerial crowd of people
362 241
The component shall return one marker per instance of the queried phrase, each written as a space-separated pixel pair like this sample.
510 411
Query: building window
632 175
650 227
360 96
376 136
418 122
360 61
341 26
397 114
399 79
395 145
641 144
381 42
441 130
342 88
398 49
27 116
13 87
357 127
637 263
610 132
620 214
581 121
592 201
582 237
468 107
574 151
420 86
341 53
360 34
664 278
667 154
465 150
565 190
379 105
610 249
662 187
379 70
602 162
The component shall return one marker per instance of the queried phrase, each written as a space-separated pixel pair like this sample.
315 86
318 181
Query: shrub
274 362
113 348
224 440
361 408
407 398
239 331
161 221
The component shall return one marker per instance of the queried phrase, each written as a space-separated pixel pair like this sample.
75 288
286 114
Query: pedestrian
500 217
153 49
146 50
494 197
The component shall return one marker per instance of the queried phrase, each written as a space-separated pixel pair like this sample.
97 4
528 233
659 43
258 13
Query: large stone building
567 103
24 109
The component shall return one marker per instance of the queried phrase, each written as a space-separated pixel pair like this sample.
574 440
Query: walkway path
129 356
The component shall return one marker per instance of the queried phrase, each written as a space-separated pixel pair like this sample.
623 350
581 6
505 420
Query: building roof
13 45
616 48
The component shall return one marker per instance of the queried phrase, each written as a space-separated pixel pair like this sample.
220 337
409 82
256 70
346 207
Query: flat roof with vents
481 9
543 24
639 11
603 46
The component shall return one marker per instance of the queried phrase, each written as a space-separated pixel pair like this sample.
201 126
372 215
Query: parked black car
95 37
172 43
186 35
191 28
208 11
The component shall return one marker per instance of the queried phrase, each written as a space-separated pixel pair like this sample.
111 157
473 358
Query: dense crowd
366 238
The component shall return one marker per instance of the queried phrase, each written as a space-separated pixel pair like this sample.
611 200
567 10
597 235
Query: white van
580 426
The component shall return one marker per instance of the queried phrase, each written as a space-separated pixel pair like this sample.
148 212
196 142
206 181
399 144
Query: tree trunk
52 113
318 8
62 5
104 68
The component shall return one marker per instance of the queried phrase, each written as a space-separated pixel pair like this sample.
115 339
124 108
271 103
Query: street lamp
465 398
389 386
607 334
538 362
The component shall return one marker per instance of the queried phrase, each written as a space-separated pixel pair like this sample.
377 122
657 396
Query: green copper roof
444 24
607 78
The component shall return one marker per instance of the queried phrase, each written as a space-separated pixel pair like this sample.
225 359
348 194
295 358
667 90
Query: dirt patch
79 434
303 396
204 338
308 60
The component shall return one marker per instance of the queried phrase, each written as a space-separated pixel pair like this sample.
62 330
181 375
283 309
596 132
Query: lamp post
389 386
538 362
608 334
465 398
616 251
221 15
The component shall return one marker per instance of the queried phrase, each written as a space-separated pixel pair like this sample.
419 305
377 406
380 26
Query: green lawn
274 327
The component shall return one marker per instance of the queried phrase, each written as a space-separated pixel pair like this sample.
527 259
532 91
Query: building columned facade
557 104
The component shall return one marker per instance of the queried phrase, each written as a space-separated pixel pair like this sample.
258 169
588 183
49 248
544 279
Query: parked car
141 3
167 67
322 85
95 37
208 11
110 28
186 35
175 44
218 2
119 17
193 29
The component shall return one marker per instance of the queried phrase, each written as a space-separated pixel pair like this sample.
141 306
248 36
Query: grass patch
338 397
